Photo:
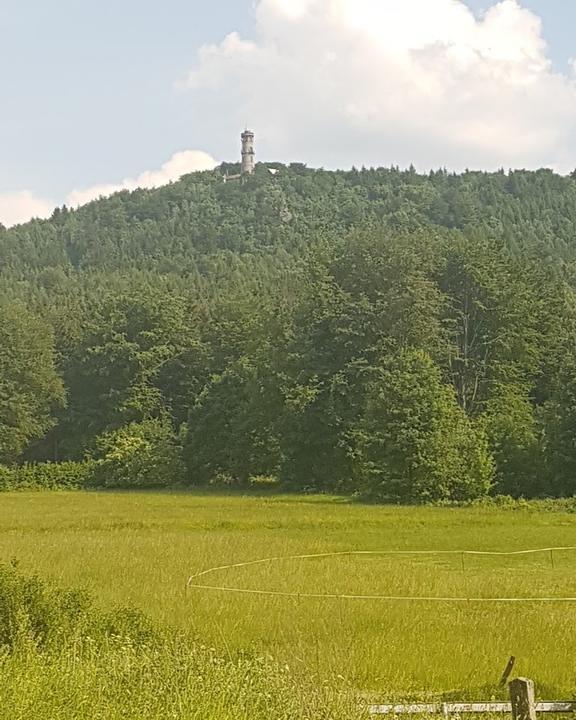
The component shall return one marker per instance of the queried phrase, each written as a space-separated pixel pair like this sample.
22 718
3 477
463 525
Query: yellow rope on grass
390 598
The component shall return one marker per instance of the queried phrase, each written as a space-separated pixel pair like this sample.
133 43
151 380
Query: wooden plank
490 707
556 707
440 708
405 709
522 698
463 708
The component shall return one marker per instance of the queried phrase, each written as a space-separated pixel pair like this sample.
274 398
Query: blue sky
559 21
93 93
96 81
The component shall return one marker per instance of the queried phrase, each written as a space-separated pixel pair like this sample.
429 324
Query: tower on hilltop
248 154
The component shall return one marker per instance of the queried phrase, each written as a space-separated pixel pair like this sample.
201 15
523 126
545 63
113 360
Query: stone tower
248 154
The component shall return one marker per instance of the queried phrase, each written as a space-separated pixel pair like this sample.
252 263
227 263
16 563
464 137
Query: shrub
139 455
45 476
6 477
33 611
264 482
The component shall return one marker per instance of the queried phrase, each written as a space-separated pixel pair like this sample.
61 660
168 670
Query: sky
96 97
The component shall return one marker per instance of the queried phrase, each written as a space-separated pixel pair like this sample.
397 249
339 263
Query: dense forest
375 332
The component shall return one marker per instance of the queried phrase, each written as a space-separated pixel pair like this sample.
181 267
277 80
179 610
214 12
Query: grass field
141 548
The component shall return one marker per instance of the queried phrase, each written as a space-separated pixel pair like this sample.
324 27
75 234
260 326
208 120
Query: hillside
378 332
171 227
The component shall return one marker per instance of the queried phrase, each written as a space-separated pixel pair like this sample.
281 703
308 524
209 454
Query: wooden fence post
522 699
507 671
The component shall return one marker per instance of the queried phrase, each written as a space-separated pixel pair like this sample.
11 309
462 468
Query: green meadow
140 549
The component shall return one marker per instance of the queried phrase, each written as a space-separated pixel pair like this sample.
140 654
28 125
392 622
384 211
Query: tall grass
141 548
126 682
60 658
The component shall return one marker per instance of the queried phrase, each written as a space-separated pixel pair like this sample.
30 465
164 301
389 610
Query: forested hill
172 227
377 332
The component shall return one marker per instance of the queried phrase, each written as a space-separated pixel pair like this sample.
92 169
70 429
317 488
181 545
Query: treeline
377 332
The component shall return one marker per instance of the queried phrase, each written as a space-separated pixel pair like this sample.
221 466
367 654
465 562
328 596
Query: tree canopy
401 336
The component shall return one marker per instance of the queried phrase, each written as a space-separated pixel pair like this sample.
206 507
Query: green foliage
361 300
167 228
257 317
513 436
140 455
32 611
62 657
490 319
38 614
229 432
414 441
30 388
558 418
136 356
46 476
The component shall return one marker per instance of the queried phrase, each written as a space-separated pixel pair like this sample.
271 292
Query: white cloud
179 164
19 207
337 82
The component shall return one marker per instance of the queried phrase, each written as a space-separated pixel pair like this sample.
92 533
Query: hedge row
46 476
